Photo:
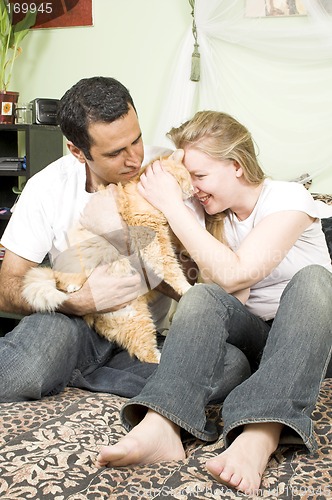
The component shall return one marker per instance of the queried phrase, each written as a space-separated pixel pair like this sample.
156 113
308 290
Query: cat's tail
40 290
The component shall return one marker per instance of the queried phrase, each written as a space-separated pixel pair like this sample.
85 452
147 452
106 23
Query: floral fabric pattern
48 449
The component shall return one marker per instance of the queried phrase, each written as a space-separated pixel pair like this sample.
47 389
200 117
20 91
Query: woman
269 297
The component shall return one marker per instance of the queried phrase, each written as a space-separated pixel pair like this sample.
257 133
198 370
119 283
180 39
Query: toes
223 474
249 487
226 475
110 454
214 466
235 480
244 486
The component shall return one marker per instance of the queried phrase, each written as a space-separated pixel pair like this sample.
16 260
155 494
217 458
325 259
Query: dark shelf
25 126
39 144
12 173
5 216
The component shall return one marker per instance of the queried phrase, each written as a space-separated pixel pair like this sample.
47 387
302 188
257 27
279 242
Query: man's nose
133 159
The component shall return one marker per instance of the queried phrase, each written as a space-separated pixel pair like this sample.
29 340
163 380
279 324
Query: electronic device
44 111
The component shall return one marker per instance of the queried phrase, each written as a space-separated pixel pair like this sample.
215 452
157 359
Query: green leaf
11 36
27 22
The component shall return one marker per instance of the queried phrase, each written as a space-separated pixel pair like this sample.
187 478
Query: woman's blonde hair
222 137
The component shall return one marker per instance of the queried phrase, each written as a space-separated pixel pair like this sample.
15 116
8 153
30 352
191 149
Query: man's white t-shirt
310 248
51 202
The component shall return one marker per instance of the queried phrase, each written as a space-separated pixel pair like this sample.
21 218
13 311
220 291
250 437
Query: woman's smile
203 199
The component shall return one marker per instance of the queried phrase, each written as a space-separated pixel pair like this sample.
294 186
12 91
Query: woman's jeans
289 360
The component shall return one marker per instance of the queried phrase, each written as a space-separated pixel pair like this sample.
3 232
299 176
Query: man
47 352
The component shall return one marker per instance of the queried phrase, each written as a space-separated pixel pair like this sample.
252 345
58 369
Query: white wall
133 41
137 43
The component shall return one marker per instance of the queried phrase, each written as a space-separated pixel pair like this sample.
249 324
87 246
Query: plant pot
7 106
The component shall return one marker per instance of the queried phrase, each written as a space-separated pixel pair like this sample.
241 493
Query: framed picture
55 13
268 8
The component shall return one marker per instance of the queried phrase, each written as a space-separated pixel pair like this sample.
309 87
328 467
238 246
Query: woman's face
216 182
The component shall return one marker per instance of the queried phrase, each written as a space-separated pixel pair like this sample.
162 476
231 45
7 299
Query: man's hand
101 217
100 214
103 292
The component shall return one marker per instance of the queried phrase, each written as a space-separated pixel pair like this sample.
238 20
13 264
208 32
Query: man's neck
91 185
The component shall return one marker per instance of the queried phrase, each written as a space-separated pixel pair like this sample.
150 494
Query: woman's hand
160 188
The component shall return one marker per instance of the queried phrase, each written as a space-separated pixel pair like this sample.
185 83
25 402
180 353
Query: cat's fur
131 327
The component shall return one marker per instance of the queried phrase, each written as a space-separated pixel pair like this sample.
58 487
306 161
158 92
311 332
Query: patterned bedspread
48 449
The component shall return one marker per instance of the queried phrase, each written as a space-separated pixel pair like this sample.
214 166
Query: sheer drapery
273 74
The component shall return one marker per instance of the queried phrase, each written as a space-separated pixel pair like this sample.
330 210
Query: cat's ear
177 155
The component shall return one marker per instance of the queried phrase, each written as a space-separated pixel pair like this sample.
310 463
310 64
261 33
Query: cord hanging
195 57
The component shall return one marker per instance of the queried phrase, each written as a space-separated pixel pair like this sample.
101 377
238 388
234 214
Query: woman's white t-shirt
310 248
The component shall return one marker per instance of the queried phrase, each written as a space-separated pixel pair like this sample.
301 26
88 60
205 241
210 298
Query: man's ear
78 153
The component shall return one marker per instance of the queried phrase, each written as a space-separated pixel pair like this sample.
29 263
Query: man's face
116 151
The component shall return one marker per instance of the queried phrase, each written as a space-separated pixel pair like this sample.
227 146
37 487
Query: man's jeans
47 352
289 360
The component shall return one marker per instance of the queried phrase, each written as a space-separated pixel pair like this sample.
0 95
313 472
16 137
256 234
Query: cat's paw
73 288
150 357
153 357
184 289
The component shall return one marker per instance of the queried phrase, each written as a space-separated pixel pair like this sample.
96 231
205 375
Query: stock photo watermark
200 490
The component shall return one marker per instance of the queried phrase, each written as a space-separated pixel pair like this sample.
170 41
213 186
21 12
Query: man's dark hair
96 99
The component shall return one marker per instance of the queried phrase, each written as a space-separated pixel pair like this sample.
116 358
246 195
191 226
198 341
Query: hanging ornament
195 65
195 57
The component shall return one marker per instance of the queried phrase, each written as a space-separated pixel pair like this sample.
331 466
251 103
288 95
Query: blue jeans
47 352
289 360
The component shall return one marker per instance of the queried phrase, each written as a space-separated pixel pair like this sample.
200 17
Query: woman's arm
258 255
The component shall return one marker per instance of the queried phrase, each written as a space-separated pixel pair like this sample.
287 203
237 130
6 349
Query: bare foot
241 466
154 439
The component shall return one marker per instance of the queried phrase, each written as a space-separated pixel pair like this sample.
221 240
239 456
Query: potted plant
11 35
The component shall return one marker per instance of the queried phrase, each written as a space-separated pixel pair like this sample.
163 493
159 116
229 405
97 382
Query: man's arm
101 292
12 270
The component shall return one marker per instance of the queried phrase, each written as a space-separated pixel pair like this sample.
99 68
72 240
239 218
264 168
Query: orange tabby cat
131 327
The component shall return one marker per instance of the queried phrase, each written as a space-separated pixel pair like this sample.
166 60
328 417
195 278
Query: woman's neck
248 202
